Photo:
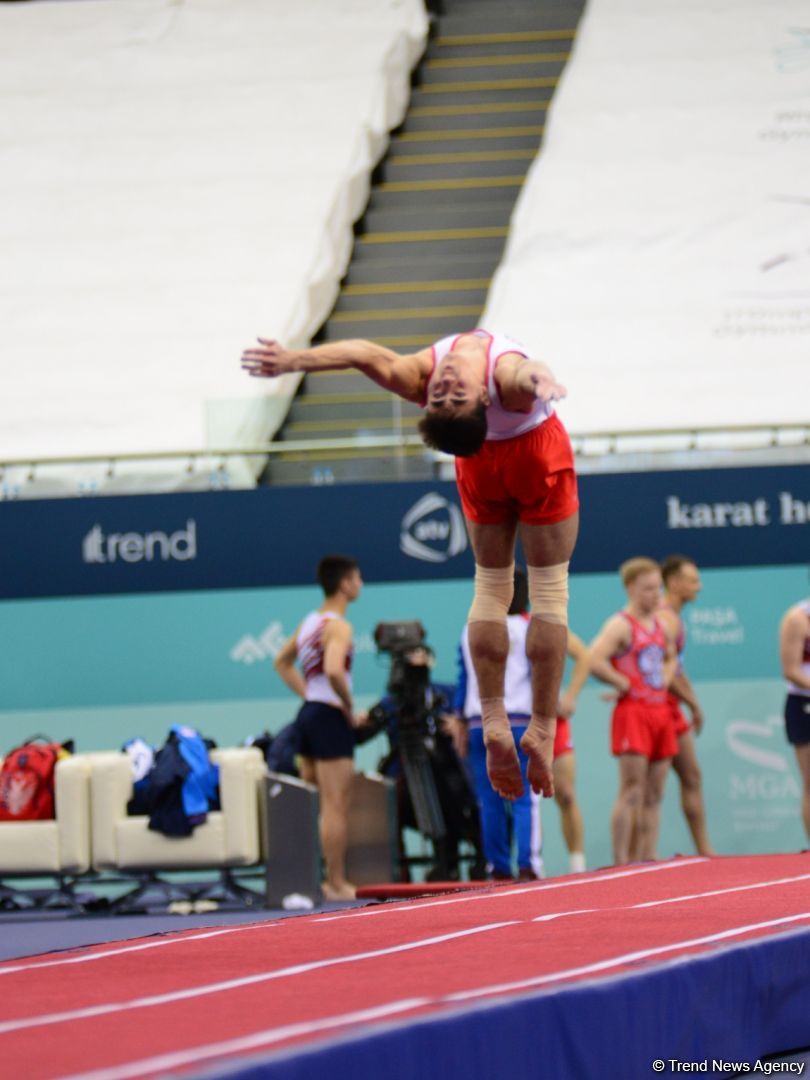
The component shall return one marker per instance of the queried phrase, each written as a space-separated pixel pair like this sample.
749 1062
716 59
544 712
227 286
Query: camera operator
434 794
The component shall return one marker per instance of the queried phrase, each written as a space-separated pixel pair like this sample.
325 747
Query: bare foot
538 746
503 766
343 891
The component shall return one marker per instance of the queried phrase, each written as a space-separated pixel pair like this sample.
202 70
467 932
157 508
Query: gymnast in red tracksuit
635 654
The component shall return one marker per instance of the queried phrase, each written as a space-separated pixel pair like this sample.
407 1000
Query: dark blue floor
30 933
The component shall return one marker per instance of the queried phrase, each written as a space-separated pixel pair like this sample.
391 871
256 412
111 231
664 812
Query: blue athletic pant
498 814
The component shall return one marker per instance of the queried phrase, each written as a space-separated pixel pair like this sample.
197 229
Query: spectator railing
595 450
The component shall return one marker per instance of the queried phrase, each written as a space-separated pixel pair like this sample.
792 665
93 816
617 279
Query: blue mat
720 1012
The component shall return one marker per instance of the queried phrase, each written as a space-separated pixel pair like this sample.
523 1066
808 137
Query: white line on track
235 984
85 958
158 1064
249 1042
181 939
724 892
502 893
673 899
106 1009
627 958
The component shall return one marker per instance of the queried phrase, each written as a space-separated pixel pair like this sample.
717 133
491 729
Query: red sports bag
27 782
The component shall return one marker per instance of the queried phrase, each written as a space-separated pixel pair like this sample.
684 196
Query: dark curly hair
332 569
461 436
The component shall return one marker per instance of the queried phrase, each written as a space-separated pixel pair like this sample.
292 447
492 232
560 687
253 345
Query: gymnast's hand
697 718
567 704
618 692
268 359
544 386
536 378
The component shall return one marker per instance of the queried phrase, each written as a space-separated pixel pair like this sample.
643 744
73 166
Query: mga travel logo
760 744
763 788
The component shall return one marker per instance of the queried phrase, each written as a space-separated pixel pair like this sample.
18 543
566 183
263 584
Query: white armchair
58 848
228 838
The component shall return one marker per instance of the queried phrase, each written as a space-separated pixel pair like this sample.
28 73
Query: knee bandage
493 593
548 593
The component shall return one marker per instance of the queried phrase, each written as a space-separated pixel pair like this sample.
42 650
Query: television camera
409 723
444 807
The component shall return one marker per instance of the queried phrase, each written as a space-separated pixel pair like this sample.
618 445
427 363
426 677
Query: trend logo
433 530
132 547
267 646
755 752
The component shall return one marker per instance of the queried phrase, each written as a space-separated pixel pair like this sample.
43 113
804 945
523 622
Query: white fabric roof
176 178
659 256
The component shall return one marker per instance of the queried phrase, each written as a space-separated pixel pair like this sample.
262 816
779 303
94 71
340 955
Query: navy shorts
797 719
324 733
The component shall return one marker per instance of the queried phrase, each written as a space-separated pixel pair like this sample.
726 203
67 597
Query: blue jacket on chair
182 785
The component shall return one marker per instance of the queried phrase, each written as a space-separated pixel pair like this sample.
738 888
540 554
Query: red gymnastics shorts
530 477
640 728
563 739
681 724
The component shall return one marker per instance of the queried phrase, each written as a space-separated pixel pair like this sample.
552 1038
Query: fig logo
132 547
433 530
739 732
252 650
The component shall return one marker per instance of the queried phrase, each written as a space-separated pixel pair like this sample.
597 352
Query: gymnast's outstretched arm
405 376
521 380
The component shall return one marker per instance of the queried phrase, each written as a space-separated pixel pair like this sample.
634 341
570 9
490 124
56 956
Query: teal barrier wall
101 669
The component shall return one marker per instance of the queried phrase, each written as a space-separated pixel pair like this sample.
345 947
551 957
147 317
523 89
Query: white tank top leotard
310 655
501 423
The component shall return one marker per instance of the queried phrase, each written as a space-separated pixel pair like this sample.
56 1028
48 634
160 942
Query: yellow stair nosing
462 183
343 398
405 313
487 107
418 341
472 133
505 60
426 235
385 287
503 38
360 452
538 83
462 156
404 340
364 422
343 371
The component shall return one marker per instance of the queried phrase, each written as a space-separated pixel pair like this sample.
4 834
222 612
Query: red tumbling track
182 1002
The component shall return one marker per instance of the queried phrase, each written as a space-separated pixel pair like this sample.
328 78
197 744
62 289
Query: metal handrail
613 438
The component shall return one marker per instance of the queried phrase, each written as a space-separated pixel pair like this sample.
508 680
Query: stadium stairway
436 222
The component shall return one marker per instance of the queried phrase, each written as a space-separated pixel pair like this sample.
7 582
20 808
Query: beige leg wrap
493 593
548 592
